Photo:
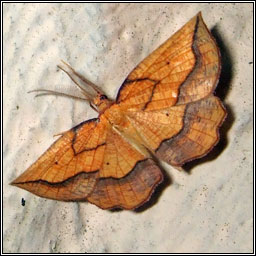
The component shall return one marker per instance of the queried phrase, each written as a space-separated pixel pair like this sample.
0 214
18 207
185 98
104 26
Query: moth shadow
227 71
221 91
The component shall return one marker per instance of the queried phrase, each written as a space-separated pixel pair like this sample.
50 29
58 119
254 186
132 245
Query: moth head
101 102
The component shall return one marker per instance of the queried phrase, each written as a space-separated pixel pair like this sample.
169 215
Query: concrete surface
206 209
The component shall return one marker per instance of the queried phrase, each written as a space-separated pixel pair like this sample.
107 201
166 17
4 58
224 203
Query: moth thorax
114 115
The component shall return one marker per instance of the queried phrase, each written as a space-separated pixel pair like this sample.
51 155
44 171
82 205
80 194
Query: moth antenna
50 92
86 81
85 93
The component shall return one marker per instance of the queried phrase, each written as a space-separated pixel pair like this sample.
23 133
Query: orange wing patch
165 108
184 69
156 126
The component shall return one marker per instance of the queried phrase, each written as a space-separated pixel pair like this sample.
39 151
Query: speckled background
208 208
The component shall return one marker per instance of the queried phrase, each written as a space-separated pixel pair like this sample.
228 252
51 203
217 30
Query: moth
164 109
